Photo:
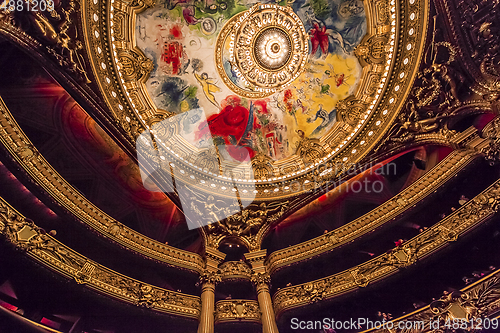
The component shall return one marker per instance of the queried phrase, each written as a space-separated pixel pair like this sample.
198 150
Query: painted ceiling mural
302 66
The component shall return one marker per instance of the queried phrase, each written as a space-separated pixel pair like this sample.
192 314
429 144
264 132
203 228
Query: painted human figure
208 86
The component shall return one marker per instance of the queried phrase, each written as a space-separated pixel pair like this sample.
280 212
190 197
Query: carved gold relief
463 219
135 66
472 304
235 270
25 235
309 150
261 278
262 166
247 223
425 186
350 110
372 50
55 27
237 310
209 277
85 273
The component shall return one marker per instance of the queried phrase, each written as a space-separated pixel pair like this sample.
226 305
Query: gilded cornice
468 216
478 301
46 250
43 174
209 278
260 279
384 213
237 310
492 130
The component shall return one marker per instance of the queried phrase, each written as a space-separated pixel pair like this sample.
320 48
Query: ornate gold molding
415 193
476 302
436 237
473 25
54 32
237 310
26 236
492 129
26 155
261 279
233 270
249 224
209 277
492 132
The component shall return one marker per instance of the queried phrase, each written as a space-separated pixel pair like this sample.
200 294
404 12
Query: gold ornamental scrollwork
237 310
373 50
350 110
135 66
209 277
309 150
453 306
55 29
249 224
492 129
469 215
261 279
267 50
231 270
85 273
42 247
481 34
472 304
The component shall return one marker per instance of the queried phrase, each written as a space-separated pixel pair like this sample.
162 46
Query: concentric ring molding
397 29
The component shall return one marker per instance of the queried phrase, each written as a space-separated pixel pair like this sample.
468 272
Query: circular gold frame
234 27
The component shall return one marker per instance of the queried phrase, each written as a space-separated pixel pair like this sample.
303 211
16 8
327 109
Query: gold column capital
256 259
209 278
261 280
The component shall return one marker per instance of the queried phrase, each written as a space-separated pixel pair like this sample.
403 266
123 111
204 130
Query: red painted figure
172 55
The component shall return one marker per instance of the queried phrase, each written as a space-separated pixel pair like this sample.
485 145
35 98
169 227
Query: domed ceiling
283 86
238 103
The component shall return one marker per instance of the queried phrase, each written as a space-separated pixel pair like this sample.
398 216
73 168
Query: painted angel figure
208 86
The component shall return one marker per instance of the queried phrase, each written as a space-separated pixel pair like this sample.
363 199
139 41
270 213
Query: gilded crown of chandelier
266 48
